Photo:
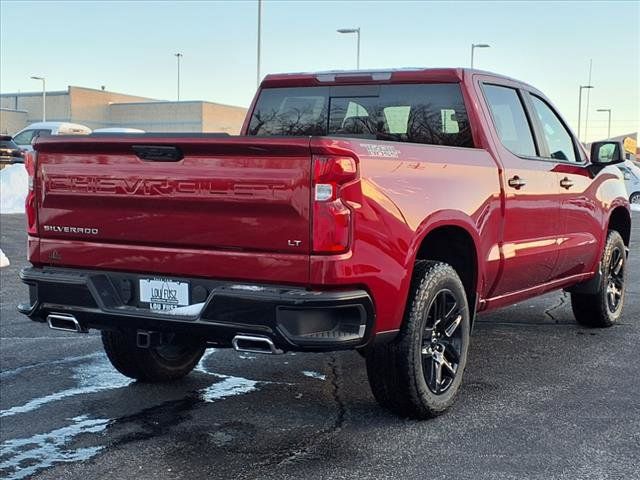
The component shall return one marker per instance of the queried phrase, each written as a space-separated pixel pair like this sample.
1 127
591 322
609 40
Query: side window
558 138
510 120
40 133
24 138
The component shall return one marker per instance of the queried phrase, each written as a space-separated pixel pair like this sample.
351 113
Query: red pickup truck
377 211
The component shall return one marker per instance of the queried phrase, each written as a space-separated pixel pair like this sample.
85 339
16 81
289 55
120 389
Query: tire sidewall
145 364
189 357
614 240
422 302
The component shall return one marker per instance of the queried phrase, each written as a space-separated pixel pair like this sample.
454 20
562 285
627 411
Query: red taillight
331 216
30 159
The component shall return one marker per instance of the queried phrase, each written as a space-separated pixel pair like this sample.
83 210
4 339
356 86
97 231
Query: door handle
516 182
566 183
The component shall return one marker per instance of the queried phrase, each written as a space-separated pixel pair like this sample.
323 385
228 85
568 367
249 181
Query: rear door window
432 114
510 120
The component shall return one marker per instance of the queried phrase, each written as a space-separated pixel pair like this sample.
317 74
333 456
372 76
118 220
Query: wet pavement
542 398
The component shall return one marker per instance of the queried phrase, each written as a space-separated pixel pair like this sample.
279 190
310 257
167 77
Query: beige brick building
104 109
12 120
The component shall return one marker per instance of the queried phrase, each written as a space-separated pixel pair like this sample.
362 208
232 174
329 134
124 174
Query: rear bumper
295 319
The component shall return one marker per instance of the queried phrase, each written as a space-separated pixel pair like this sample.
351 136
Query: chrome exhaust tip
64 322
254 344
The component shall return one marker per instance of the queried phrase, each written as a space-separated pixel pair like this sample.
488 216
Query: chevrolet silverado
372 210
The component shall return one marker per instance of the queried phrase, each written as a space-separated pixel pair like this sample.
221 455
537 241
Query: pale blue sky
129 46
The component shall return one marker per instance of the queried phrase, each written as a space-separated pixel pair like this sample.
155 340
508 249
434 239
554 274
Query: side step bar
65 322
254 344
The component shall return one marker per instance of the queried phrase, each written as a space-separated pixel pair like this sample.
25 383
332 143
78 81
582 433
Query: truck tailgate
226 194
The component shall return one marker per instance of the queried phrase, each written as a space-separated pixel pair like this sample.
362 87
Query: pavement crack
563 300
337 397
305 452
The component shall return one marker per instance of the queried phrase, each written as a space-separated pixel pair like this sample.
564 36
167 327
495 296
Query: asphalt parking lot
542 398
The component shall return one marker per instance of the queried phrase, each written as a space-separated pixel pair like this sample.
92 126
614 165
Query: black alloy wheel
615 280
442 342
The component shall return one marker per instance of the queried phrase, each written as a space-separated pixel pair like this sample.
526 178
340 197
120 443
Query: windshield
431 114
8 144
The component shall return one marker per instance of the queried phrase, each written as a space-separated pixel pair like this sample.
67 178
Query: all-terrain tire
396 370
597 309
160 364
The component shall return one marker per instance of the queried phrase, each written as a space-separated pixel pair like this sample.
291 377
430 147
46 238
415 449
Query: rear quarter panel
408 190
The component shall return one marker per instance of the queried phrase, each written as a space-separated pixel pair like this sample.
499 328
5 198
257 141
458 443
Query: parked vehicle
24 138
631 173
118 130
376 211
10 153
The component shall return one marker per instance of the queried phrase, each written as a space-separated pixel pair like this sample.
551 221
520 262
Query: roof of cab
396 75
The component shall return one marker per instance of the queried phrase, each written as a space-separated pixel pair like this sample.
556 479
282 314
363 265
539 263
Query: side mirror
607 153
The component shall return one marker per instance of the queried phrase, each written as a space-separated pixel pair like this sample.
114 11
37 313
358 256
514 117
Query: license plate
164 294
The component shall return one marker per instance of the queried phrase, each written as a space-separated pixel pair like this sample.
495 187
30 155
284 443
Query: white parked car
25 136
631 173
118 130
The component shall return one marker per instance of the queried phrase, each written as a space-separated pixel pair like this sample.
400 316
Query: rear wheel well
620 221
455 246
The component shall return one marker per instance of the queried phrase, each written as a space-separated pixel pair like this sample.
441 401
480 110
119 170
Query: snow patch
228 387
635 207
13 188
92 378
19 370
4 261
23 457
311 374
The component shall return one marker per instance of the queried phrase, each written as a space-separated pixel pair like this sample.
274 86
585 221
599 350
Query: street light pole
582 87
358 51
259 41
44 97
357 32
477 45
178 56
608 110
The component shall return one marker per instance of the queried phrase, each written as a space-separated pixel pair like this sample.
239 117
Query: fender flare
446 218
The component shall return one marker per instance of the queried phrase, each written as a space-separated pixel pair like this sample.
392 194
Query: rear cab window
432 114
